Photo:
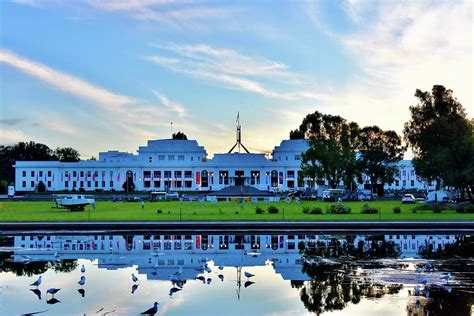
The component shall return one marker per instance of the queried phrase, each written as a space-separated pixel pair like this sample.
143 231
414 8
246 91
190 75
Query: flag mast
238 143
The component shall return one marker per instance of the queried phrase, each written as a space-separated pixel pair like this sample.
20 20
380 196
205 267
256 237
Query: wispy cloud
237 71
170 105
11 121
11 136
65 82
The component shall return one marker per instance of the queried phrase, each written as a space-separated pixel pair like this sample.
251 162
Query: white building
182 165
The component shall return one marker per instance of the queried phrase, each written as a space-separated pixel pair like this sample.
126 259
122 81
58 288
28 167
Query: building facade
182 165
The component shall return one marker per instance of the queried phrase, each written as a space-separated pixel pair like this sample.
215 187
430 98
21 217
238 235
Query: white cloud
170 105
238 71
66 83
11 136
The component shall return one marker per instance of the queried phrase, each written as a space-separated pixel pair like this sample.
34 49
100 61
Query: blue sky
99 75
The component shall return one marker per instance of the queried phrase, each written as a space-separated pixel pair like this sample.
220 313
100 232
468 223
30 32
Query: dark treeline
438 132
30 151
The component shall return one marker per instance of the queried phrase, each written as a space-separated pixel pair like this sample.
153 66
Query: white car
408 198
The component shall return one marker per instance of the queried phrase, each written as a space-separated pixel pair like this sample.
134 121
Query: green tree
379 153
442 140
180 135
128 185
66 154
331 155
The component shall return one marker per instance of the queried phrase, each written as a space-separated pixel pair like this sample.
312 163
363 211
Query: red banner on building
198 242
198 178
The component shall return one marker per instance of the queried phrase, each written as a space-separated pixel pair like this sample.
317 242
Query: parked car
408 198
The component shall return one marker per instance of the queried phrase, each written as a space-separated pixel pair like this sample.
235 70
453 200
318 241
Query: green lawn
132 211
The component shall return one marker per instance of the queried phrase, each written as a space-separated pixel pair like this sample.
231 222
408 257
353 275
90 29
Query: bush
397 210
273 209
159 211
465 209
306 209
366 209
316 210
259 210
339 208
437 208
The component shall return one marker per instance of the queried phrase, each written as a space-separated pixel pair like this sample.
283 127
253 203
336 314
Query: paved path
358 227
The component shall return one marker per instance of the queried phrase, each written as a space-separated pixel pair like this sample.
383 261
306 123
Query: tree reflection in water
335 283
35 267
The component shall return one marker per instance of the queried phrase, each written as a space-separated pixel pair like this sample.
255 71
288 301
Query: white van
437 196
11 191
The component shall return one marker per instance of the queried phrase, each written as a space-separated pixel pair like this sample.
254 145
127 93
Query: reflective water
237 274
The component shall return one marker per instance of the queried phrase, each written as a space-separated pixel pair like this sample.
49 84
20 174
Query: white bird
134 278
151 311
52 291
83 269
82 281
248 274
37 282
446 277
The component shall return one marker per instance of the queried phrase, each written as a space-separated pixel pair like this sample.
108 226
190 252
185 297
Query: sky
101 75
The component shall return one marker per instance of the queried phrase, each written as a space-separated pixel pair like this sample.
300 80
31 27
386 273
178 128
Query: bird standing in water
37 282
52 291
151 311
83 269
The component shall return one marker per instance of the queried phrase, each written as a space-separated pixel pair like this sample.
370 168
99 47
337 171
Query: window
111 184
146 174
397 183
88 184
32 184
412 173
146 184
224 177
23 174
23 184
161 157
255 179
188 184
49 184
178 174
188 174
156 184
150 159
32 173
41 173
89 173
181 157
204 179
82 173
192 158
170 157
290 174
74 184
49 174
74 173
103 175
297 157
286 158
103 184
274 178
412 183
404 182
156 174
167 174
96 184
81 184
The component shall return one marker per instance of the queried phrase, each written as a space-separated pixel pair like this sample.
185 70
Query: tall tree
180 135
331 155
379 151
442 140
67 154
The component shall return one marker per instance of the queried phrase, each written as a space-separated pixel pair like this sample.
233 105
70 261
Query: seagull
221 267
53 301
201 278
208 270
446 277
37 282
209 280
82 281
151 311
174 290
248 274
248 283
37 293
83 269
52 291
134 288
221 277
82 292
134 278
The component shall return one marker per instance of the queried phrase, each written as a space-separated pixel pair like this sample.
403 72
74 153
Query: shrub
306 209
316 210
272 209
397 210
236 212
414 211
259 210
465 209
339 208
159 211
437 208
366 209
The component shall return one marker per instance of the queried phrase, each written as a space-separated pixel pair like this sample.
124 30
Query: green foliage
380 151
158 211
367 209
259 210
66 154
442 140
397 210
339 208
332 145
41 187
437 208
272 209
466 209
312 210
